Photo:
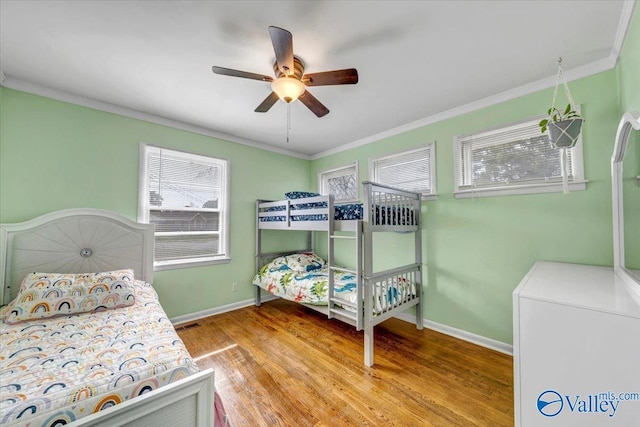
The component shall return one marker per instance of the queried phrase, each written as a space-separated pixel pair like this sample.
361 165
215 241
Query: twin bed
85 339
359 296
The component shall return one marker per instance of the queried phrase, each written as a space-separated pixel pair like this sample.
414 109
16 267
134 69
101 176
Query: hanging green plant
564 126
556 116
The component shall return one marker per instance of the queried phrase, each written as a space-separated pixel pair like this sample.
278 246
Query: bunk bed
374 296
87 343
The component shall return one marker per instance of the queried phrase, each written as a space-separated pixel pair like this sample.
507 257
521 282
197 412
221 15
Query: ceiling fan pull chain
288 119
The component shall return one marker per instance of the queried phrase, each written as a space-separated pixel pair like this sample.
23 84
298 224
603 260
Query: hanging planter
564 126
564 129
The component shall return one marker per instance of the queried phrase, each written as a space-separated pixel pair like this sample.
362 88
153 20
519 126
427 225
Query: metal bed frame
385 209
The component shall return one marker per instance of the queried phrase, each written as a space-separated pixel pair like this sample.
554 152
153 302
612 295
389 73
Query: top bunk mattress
57 370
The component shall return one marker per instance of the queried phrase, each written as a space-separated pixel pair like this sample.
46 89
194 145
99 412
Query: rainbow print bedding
56 370
304 278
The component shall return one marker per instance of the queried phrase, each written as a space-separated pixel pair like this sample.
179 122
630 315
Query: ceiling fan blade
337 77
268 102
313 104
283 47
243 74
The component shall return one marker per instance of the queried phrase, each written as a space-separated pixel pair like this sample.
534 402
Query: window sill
555 187
189 264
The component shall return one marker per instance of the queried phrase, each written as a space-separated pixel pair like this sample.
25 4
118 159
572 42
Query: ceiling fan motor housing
298 68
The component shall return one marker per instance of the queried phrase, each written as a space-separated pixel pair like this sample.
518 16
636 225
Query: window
341 182
413 170
185 196
515 159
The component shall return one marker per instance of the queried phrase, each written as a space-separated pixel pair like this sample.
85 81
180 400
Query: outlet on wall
234 287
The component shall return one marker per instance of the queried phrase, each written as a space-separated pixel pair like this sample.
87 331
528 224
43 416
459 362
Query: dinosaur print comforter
310 284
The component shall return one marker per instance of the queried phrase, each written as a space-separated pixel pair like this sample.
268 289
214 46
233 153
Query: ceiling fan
291 82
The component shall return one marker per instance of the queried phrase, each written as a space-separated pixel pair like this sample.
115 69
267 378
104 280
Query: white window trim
433 195
321 188
143 190
578 184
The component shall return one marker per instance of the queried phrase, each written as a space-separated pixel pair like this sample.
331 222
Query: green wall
629 79
629 66
55 155
476 251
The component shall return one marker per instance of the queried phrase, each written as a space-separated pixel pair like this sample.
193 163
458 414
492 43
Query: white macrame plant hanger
563 150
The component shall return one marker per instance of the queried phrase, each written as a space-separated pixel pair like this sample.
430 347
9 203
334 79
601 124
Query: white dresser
576 342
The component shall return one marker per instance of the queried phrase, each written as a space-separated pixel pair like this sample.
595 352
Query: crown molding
592 68
573 74
70 98
604 64
623 27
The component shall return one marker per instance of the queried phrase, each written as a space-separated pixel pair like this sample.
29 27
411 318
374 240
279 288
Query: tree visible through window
525 160
341 182
516 157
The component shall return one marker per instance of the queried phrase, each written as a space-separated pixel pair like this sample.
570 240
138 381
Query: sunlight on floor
204 356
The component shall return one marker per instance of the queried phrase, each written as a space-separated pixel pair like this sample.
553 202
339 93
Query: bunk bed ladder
348 310
331 310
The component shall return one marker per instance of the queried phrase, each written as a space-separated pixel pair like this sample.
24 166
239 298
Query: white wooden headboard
73 241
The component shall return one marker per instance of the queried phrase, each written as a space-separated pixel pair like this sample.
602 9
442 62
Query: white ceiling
417 60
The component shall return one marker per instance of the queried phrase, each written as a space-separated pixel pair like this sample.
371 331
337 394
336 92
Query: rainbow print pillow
44 295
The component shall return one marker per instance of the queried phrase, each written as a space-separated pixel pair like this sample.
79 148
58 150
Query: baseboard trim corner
218 310
461 334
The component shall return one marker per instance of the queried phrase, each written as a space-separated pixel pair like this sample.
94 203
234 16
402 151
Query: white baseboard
218 310
438 327
461 334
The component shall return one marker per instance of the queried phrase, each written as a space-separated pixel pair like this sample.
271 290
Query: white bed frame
94 240
377 198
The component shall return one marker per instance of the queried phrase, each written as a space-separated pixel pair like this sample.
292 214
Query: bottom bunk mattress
56 370
304 278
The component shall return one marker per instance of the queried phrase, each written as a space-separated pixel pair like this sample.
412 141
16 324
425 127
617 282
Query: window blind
411 170
515 155
185 201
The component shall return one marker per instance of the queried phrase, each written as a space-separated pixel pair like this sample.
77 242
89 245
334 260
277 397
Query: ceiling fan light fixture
288 88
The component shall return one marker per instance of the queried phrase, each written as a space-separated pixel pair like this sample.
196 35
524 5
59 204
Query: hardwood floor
282 364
